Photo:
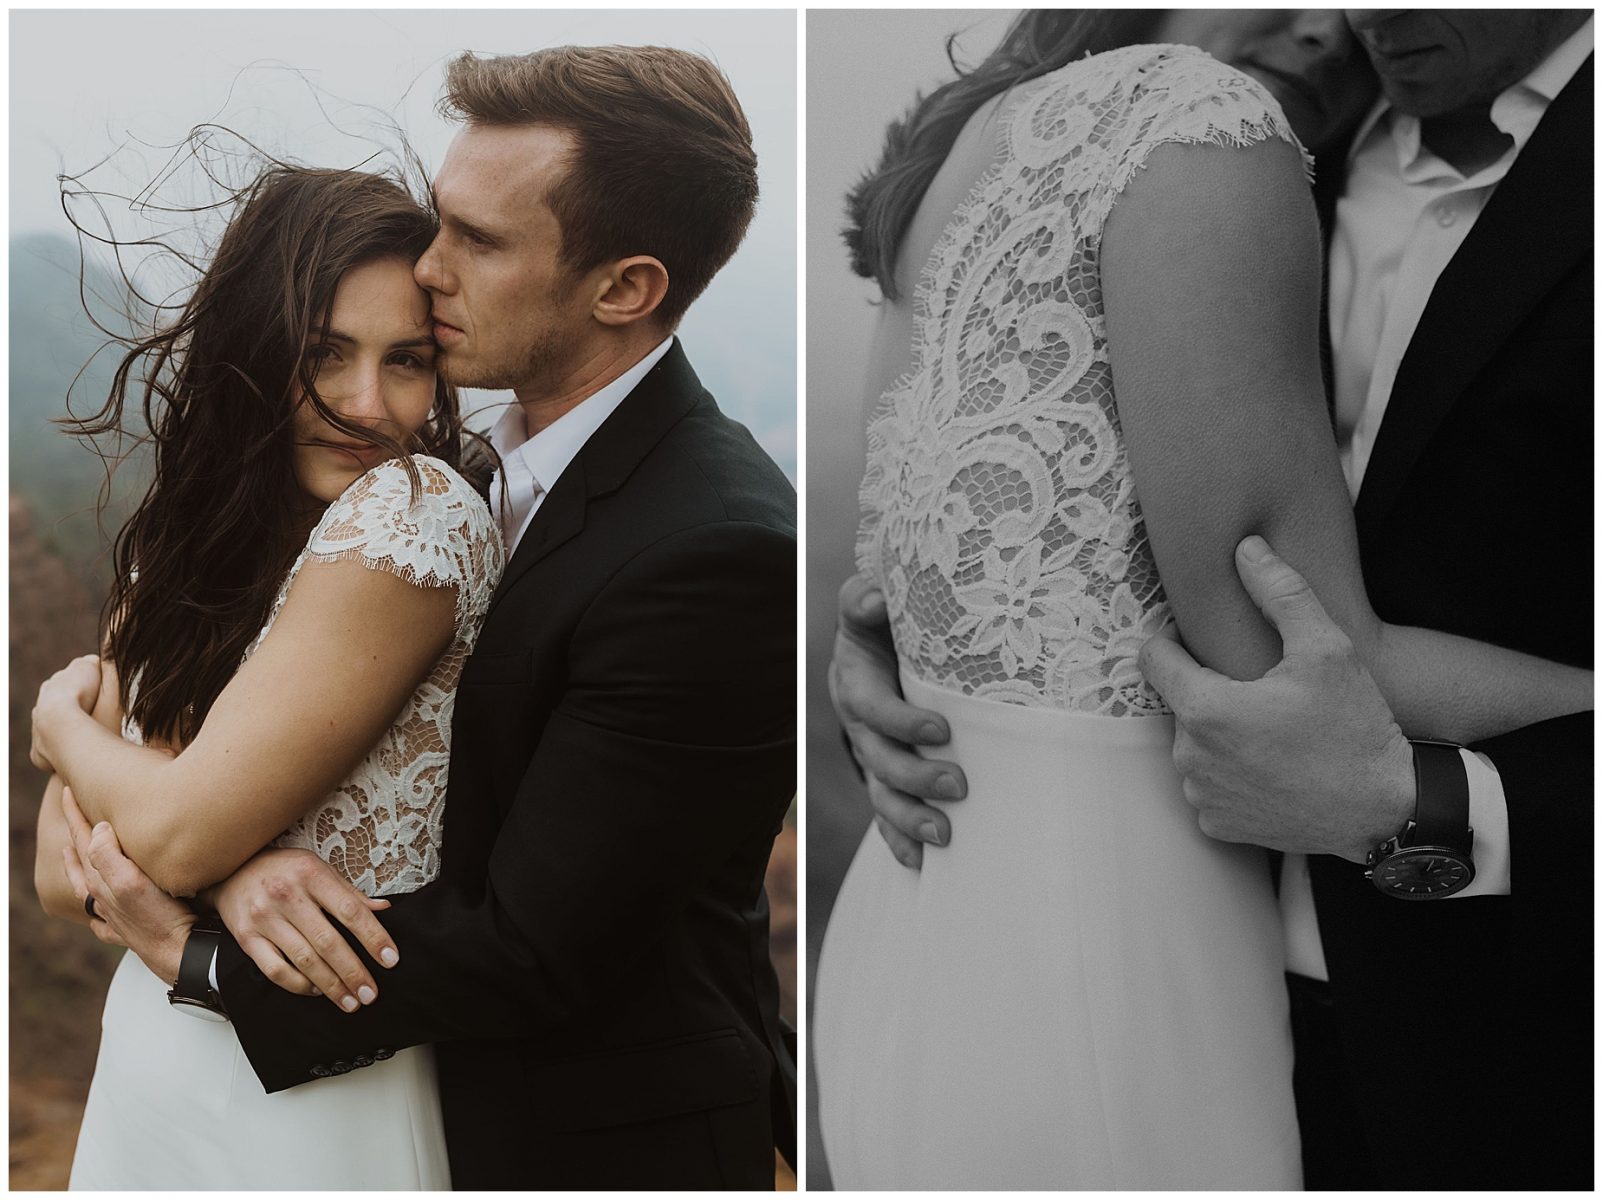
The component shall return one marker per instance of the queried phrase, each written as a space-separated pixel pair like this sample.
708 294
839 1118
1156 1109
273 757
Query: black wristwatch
1431 857
193 992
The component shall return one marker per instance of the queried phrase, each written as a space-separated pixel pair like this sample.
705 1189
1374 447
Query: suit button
382 1053
363 1060
321 1072
340 1068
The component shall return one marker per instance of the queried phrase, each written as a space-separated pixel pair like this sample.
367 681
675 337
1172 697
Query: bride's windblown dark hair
196 568
882 204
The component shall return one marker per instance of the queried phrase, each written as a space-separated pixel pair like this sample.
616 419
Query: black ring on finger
89 907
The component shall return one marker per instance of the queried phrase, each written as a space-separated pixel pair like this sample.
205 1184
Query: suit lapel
656 404
1518 250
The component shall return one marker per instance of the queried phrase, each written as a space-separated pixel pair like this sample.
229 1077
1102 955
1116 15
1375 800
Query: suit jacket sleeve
673 743
1546 771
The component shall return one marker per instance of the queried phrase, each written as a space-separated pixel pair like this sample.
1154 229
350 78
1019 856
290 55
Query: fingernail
388 957
930 732
349 1004
931 833
1254 549
367 994
949 788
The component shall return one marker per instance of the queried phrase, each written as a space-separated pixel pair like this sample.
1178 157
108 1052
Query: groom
1444 1044
592 964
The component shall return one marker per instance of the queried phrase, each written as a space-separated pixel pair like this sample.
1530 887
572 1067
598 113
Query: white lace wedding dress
174 1104
1081 991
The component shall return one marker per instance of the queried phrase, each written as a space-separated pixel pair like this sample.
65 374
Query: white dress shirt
1403 214
531 466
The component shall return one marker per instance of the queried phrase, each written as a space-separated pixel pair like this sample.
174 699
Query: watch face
1423 873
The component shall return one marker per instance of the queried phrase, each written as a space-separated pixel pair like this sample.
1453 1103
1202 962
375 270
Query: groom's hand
277 907
1306 759
129 909
882 728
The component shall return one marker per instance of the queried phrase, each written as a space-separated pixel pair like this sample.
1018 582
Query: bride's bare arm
349 647
1211 283
55 891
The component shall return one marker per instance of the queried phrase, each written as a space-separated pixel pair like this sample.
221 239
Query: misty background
113 93
863 68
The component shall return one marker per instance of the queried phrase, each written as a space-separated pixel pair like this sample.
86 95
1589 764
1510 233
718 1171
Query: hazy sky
291 80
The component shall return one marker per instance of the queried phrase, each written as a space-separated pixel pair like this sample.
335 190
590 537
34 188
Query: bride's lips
363 452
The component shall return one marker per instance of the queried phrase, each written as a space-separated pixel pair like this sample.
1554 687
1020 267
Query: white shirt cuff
1488 817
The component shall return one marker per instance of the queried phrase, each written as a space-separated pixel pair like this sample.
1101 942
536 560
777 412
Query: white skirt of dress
1081 991
175 1106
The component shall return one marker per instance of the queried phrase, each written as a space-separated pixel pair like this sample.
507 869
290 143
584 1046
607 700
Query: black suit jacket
592 964
1468 1023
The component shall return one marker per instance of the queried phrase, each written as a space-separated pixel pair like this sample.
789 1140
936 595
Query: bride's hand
278 905
73 688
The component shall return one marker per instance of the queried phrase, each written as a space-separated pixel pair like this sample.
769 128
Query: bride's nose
1322 34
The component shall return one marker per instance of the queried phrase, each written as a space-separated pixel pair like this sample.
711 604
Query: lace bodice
381 828
999 512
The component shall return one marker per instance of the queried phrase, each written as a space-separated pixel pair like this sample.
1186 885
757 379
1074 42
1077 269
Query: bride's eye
411 361
321 354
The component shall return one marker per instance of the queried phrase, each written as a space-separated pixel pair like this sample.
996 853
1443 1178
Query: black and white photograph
1199 484
404 583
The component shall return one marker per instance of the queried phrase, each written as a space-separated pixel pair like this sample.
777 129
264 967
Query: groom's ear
629 290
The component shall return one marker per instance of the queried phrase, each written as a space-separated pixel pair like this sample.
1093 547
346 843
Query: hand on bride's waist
882 729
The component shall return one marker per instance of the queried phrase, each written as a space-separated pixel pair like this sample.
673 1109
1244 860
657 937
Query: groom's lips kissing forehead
445 332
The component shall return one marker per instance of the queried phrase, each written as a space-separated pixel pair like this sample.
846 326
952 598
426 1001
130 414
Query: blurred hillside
59 574
58 973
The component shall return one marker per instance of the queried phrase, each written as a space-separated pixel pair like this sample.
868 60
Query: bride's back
999 509
972 155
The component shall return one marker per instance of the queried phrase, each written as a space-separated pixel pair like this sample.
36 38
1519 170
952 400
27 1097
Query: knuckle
277 889
323 941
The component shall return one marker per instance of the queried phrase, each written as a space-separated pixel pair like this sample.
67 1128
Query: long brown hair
663 162
882 204
198 564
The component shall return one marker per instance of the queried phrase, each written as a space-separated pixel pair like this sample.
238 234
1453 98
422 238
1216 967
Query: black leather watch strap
1441 805
194 966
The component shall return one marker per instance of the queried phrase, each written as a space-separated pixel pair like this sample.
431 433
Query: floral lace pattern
381 828
999 511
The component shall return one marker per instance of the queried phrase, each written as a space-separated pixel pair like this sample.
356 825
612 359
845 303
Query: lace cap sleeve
443 538
1181 94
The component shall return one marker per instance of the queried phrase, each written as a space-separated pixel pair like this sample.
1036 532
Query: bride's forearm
139 791
1454 689
50 881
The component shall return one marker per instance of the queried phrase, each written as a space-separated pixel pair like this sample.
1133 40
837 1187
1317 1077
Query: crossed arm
632 801
270 749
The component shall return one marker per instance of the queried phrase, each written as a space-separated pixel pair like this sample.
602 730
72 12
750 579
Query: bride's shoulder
418 510
1154 79
418 484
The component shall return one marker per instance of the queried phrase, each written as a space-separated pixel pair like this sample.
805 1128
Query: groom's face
507 313
1436 61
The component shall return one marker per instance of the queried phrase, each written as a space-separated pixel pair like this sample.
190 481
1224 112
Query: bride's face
376 369
1307 58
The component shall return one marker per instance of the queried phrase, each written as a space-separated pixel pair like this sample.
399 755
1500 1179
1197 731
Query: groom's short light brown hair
663 163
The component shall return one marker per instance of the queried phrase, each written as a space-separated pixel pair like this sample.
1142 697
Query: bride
295 597
1097 373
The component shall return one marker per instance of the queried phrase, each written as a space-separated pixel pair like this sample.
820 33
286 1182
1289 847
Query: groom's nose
429 271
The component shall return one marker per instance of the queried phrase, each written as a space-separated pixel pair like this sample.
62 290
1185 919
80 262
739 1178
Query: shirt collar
547 454
1516 111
